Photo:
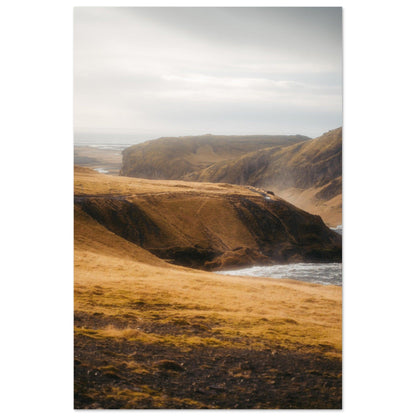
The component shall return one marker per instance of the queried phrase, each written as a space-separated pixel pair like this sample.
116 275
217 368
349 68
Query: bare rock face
216 231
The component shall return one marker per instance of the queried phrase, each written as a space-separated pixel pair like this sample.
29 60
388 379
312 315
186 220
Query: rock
169 365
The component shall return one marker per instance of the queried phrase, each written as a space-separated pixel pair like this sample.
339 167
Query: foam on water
101 170
321 273
337 229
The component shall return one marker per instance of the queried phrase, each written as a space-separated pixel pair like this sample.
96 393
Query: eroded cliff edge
204 225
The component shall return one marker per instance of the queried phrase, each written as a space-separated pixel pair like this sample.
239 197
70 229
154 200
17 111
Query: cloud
132 64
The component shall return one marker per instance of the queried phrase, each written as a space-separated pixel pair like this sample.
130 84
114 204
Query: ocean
104 146
321 273
109 142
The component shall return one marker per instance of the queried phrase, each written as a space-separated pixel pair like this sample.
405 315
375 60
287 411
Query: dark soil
198 376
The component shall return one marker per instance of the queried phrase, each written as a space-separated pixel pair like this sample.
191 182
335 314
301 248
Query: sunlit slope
313 163
128 275
175 157
149 334
204 225
308 174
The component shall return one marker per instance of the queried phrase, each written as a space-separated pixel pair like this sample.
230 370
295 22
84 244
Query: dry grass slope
202 225
175 157
149 334
306 172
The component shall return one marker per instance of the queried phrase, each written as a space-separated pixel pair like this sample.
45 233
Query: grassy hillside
308 174
175 157
209 226
314 163
149 334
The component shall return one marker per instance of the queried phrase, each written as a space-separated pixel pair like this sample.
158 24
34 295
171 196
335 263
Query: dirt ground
117 373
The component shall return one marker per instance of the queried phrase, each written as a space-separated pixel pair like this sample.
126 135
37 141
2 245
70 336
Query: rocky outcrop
213 230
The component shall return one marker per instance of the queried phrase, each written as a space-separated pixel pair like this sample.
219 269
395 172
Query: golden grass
119 279
286 164
133 309
89 182
266 311
131 398
330 211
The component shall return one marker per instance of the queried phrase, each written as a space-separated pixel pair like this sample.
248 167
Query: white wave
337 229
321 273
101 170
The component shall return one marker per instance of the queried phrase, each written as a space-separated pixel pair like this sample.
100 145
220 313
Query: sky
142 73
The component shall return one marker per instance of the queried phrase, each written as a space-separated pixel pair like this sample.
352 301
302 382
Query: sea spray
337 229
321 273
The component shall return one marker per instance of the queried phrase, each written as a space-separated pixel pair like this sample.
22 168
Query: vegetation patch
149 334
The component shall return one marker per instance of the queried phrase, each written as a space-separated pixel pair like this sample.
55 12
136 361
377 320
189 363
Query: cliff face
207 226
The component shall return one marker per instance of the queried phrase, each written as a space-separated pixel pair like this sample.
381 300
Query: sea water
101 170
116 147
337 229
321 273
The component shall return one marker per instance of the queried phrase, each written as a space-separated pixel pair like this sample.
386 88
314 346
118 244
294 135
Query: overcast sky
151 72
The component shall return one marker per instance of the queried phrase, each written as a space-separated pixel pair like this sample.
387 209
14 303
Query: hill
204 225
305 172
176 157
150 334
308 174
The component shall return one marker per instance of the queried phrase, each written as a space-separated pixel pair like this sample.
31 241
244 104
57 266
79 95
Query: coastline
149 334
